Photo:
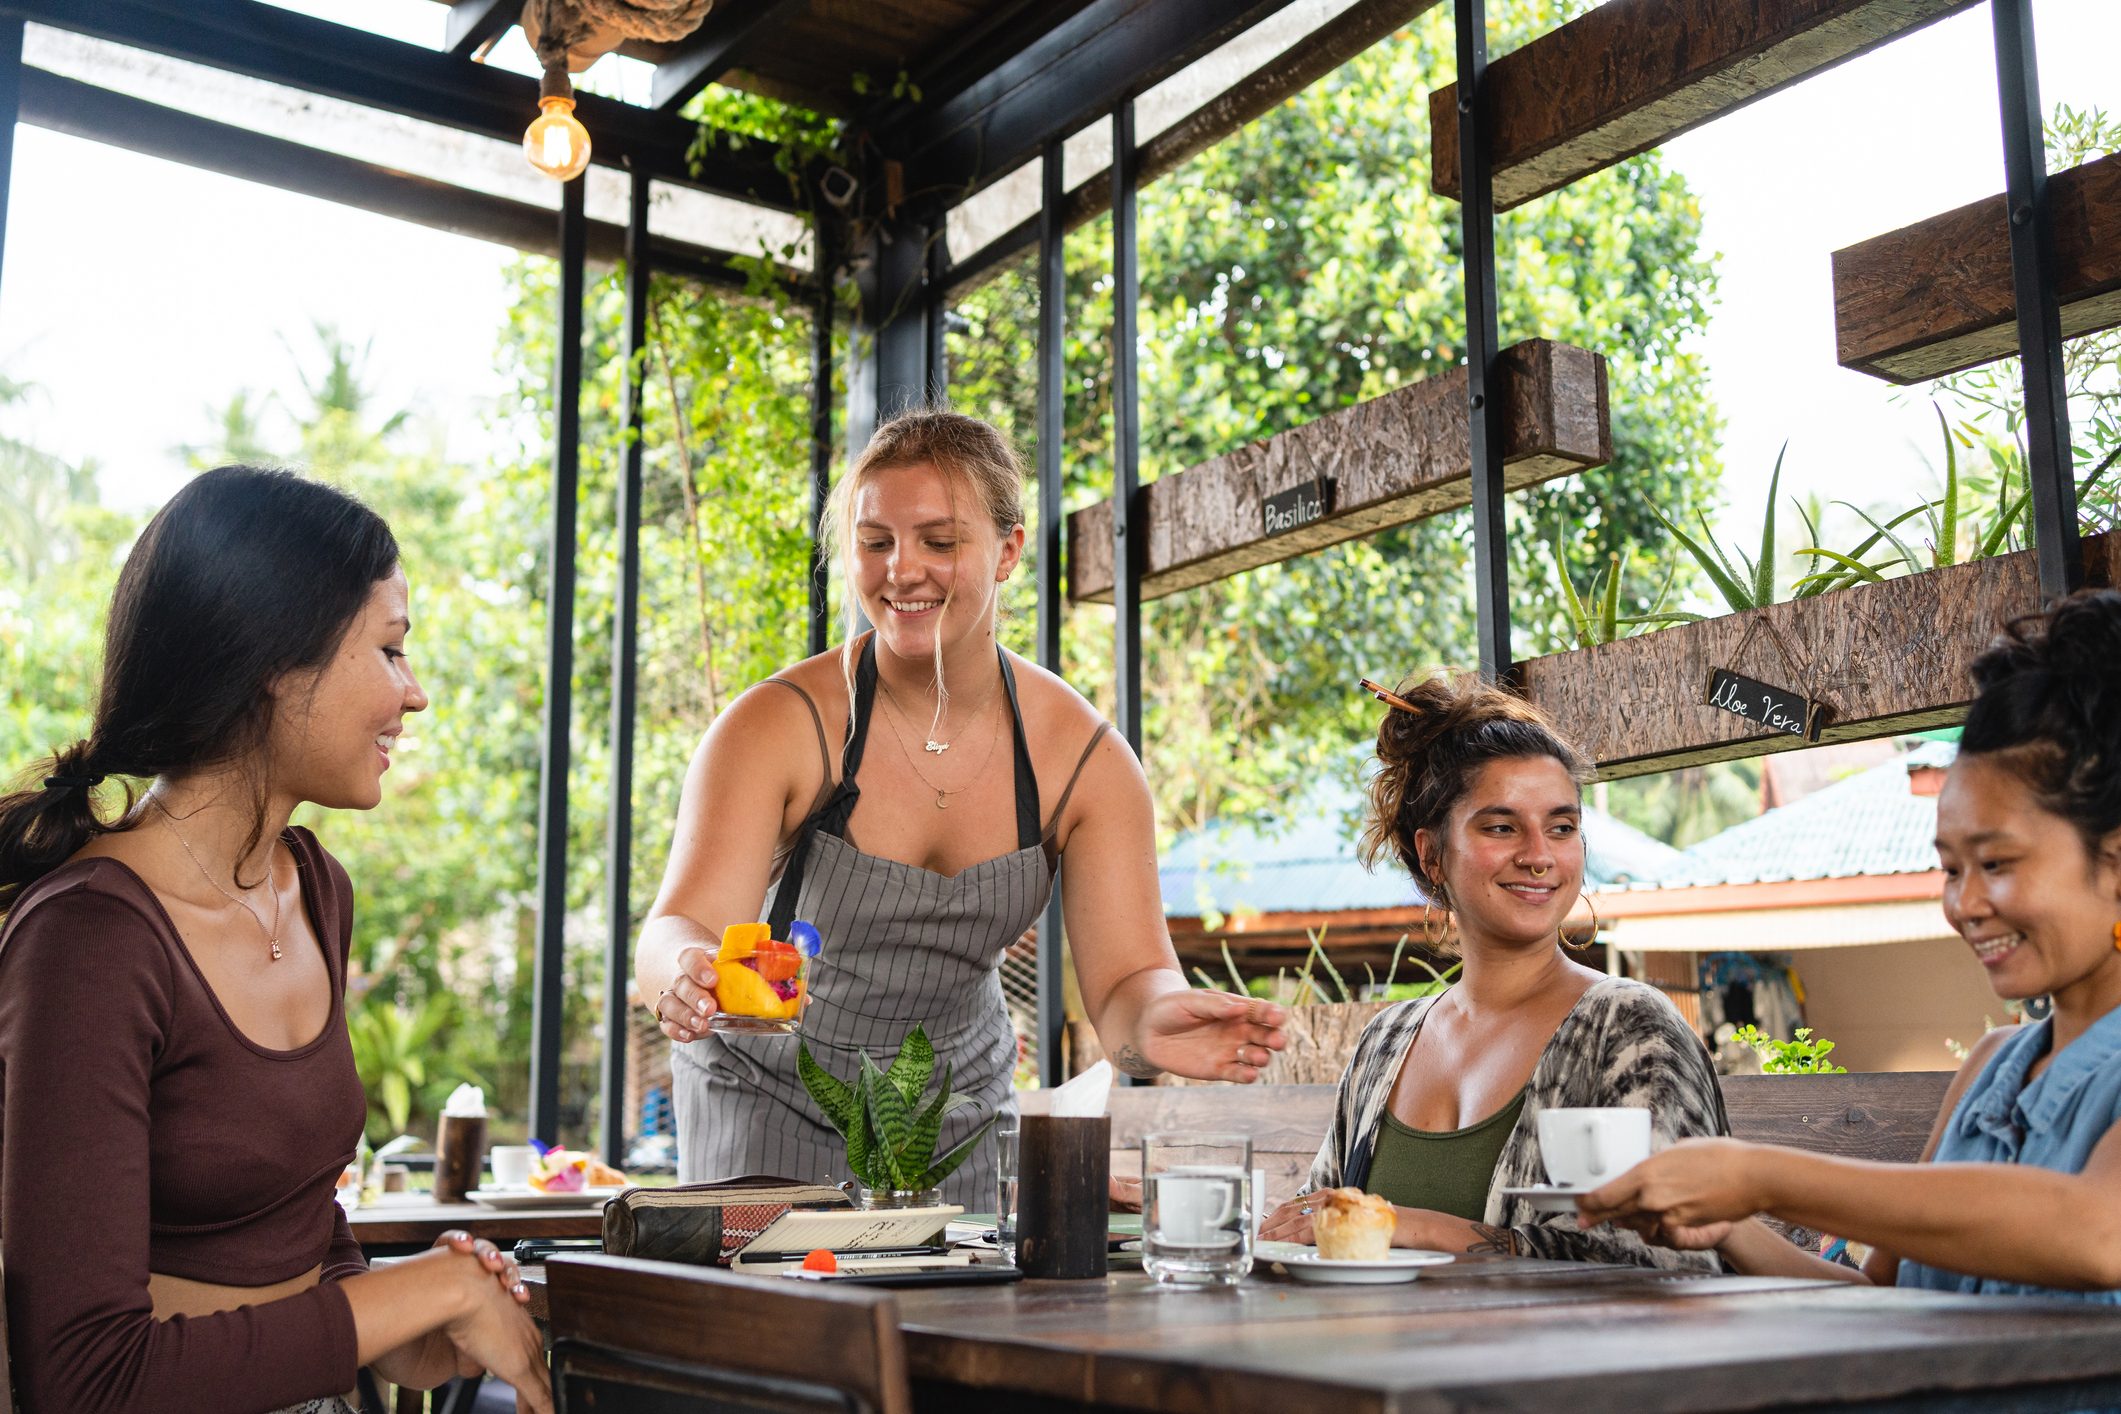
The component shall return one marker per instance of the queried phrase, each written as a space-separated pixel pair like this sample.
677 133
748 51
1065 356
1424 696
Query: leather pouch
705 1223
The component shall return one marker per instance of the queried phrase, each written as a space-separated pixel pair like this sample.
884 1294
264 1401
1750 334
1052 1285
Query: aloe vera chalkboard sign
1776 708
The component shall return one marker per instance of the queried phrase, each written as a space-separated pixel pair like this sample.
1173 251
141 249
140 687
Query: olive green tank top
1445 1173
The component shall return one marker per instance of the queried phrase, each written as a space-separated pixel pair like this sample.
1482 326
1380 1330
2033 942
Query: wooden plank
1884 1118
1632 74
1887 658
1394 459
1936 297
389 1224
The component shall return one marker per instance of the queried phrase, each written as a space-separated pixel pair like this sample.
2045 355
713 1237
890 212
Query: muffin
1350 1225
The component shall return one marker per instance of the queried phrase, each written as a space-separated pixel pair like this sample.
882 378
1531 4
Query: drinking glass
1005 1137
1197 1208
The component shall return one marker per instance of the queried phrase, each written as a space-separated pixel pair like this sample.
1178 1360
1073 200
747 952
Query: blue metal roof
1869 824
1308 865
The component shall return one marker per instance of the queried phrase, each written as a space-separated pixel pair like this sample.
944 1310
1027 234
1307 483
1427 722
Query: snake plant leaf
927 1127
912 1066
833 1095
893 1118
861 1135
943 1167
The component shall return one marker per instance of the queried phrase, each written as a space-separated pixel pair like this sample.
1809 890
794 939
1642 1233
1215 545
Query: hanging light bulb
556 142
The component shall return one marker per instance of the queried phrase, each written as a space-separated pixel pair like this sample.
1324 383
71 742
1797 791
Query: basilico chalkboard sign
1776 708
1297 507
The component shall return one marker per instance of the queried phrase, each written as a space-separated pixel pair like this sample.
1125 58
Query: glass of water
1005 1141
1197 1208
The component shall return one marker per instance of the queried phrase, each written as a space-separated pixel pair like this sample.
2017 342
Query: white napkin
466 1101
1084 1096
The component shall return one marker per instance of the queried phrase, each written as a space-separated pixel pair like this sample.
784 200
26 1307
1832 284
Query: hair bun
2049 695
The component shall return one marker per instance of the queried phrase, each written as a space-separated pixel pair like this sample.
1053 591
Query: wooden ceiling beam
1632 74
1936 297
1395 459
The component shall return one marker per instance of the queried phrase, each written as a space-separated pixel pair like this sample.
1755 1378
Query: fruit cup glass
762 984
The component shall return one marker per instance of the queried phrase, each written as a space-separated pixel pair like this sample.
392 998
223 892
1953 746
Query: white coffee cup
511 1164
1192 1211
1583 1148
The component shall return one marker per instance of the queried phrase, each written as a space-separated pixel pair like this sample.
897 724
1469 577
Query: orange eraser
821 1260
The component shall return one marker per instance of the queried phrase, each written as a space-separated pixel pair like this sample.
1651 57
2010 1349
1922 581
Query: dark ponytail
247 574
2048 709
1428 752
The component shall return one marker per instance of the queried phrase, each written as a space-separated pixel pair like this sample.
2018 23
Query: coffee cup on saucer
1584 1148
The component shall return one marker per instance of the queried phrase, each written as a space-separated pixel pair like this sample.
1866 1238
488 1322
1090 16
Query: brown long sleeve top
141 1132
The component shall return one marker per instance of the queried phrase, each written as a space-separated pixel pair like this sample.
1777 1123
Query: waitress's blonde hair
978 463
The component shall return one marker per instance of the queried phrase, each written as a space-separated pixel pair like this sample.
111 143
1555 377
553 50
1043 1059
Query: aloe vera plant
1753 586
1596 618
891 1131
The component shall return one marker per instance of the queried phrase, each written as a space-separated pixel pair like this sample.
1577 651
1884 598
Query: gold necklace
942 797
931 745
272 934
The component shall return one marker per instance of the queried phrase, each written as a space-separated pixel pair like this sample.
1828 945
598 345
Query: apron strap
838 809
1027 825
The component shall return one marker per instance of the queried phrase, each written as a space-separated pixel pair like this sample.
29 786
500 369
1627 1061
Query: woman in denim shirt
2021 1188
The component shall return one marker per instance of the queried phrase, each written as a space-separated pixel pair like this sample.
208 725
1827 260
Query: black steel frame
1052 536
625 640
1127 556
1476 218
548 990
2048 467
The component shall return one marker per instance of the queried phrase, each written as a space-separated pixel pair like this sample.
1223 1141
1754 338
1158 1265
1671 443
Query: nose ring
1537 873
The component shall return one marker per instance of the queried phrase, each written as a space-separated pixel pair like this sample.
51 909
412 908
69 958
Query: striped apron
903 946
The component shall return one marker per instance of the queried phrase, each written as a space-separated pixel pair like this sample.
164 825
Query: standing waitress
924 846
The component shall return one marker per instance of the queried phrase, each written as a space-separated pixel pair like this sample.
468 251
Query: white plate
533 1198
1549 1197
1401 1264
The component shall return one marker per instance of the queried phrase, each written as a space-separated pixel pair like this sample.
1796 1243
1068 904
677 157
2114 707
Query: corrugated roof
1308 864
1869 824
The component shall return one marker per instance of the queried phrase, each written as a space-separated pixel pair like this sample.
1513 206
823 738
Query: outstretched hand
1686 1197
1207 1036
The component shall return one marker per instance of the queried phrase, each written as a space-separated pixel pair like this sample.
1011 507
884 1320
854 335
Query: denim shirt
2055 1122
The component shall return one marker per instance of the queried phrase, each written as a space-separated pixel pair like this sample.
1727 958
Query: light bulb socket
556 84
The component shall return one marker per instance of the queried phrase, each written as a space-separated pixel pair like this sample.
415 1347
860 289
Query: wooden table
1501 1334
399 1225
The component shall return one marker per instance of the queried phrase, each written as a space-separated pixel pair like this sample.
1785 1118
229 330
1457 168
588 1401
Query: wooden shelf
1632 74
1935 297
1394 459
1888 658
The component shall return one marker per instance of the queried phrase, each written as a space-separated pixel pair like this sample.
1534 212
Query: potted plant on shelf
890 1129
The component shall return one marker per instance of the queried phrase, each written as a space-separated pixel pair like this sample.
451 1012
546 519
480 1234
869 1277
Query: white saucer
535 1198
1550 1197
1400 1264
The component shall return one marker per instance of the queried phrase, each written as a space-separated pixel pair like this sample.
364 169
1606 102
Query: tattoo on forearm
1136 1064
1494 1241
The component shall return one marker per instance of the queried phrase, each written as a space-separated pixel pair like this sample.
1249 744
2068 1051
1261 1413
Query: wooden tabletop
416 1221
1499 1334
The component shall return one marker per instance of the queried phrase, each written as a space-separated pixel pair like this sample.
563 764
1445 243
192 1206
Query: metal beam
96 114
625 665
1296 68
474 25
1067 78
1127 549
548 1009
2048 469
1052 392
716 46
11 80
891 345
825 234
317 56
1476 224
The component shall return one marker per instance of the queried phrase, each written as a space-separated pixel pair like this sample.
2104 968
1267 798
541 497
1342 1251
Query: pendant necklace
942 797
272 934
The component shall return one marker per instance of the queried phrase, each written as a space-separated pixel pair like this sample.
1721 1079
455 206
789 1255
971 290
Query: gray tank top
903 946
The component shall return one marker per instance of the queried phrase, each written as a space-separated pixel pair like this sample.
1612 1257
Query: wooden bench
1885 1117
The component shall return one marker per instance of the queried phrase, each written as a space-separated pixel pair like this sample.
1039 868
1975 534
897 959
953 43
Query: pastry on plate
1350 1225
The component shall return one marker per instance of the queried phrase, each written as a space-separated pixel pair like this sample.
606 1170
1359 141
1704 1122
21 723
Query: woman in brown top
177 1093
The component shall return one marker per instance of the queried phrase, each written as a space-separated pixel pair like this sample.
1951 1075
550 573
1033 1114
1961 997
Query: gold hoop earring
1590 942
1429 932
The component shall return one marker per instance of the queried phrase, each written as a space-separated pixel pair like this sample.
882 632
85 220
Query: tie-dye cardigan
1623 1043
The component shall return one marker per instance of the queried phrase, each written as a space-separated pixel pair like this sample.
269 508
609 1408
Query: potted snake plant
889 1124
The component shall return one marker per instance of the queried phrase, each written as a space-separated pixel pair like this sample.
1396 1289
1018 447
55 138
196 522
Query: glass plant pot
884 1199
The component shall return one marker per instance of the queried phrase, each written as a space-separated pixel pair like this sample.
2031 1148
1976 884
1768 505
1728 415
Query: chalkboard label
1298 506
1776 708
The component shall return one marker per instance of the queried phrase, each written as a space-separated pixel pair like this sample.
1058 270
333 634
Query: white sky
139 294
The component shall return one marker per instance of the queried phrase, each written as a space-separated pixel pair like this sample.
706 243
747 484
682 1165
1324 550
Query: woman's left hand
1291 1222
1211 1035
1683 1195
504 1268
